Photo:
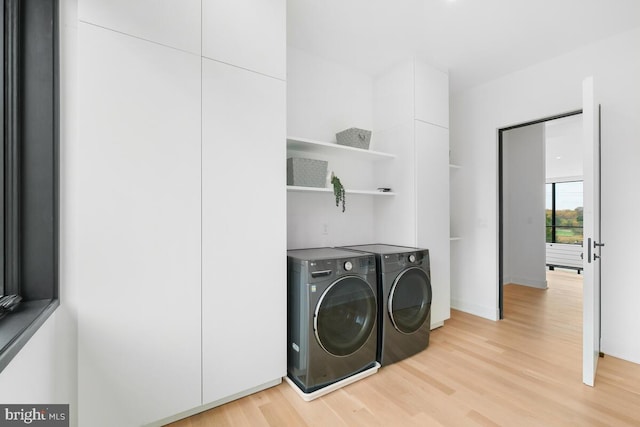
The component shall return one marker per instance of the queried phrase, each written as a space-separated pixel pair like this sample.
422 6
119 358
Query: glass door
410 300
345 316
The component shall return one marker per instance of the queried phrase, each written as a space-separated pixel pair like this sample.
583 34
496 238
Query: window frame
554 226
30 172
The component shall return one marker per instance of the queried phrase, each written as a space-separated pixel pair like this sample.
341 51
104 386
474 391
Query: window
29 171
564 212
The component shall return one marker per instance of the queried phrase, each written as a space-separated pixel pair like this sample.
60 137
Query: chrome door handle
589 250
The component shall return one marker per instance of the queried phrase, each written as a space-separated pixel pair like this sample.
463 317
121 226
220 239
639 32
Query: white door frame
500 199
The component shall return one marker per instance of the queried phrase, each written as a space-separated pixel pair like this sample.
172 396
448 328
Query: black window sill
18 327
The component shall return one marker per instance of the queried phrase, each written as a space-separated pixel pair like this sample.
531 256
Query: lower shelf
330 190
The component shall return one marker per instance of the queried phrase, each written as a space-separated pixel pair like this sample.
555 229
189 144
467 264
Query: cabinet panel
432 95
432 175
172 23
251 34
244 230
394 95
137 183
395 219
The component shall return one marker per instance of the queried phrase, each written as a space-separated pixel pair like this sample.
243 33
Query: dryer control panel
400 261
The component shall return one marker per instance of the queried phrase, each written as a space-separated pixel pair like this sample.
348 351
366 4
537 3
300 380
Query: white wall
543 90
44 371
37 374
324 98
523 206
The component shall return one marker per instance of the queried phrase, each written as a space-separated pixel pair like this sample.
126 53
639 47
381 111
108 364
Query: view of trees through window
564 209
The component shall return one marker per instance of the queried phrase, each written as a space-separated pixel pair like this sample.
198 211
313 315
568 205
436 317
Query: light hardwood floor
522 371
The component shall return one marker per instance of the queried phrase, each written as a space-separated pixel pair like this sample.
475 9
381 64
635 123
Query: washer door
345 316
410 300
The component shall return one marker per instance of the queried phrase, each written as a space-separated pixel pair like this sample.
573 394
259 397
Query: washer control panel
326 269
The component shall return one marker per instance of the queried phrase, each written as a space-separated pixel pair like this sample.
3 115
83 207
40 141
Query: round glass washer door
345 316
410 300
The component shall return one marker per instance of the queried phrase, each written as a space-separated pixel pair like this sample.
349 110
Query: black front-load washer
332 316
404 295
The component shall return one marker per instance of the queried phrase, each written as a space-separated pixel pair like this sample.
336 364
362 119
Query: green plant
338 191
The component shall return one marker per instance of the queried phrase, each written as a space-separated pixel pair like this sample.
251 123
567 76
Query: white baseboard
212 405
620 353
490 313
437 325
527 281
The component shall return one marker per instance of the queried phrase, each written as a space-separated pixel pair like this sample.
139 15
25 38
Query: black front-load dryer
332 316
404 294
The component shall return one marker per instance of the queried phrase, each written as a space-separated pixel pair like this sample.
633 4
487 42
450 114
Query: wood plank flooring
521 371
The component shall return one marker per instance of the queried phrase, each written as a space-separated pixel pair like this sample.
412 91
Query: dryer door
410 300
345 316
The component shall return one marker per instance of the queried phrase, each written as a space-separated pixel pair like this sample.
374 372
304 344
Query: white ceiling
475 40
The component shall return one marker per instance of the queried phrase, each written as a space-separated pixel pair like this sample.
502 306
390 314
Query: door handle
596 245
321 273
589 250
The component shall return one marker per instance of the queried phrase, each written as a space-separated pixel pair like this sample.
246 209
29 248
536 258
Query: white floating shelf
309 145
452 166
455 238
330 190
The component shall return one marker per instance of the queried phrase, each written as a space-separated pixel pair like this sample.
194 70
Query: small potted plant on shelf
338 191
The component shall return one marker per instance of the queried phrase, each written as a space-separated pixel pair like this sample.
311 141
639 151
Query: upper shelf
348 191
309 145
452 166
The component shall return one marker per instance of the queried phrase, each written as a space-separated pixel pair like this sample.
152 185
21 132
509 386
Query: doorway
525 236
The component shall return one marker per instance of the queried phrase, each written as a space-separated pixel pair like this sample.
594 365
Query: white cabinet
136 197
170 23
395 219
432 191
249 34
411 113
431 95
244 275
182 219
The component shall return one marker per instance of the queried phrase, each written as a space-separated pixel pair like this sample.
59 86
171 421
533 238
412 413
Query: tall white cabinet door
243 230
170 23
432 174
250 34
431 95
137 198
